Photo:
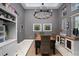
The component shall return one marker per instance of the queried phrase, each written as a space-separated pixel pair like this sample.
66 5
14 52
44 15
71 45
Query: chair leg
54 51
36 51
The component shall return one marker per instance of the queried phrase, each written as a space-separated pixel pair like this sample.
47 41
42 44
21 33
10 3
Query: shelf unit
8 19
4 14
1 17
7 10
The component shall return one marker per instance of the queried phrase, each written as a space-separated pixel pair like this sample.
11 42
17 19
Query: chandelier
43 12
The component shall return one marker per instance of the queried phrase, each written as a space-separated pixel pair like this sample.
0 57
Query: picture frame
47 27
37 27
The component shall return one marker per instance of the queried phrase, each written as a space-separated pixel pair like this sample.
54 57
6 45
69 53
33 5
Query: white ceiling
38 5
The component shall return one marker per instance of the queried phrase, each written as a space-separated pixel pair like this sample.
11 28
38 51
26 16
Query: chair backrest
45 44
45 39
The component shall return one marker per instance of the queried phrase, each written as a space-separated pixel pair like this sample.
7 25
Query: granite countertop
73 37
39 38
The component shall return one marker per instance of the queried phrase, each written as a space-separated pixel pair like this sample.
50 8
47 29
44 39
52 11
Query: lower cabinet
71 47
63 50
12 48
9 49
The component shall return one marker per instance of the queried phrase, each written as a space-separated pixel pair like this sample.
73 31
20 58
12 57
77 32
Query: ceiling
38 5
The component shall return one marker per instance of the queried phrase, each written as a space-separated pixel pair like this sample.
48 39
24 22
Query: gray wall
20 21
29 20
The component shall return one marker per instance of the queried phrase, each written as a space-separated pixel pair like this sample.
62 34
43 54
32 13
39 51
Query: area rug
31 51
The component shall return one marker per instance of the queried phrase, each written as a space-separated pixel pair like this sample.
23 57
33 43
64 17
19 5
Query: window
77 22
74 6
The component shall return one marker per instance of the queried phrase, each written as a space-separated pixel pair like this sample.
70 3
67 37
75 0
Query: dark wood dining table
45 44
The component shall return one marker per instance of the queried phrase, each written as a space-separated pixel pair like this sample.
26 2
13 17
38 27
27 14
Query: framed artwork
47 27
37 27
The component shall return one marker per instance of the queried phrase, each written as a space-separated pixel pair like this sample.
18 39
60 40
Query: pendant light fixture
43 12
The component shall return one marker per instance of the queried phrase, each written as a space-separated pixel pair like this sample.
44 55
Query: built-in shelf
7 14
8 31
5 19
7 10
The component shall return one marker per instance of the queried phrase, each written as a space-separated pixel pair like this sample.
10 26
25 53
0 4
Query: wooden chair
45 45
52 43
37 43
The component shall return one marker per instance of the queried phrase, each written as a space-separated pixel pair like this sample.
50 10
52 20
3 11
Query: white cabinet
0 51
12 48
3 50
9 49
63 50
8 34
71 47
8 22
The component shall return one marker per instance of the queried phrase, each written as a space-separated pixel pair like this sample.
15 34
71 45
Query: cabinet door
0 51
12 48
4 51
